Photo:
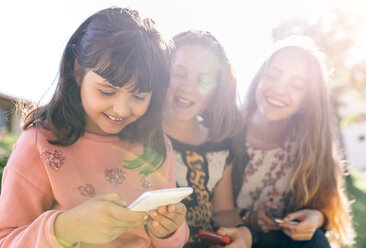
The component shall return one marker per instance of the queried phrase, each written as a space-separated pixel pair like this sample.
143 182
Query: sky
34 33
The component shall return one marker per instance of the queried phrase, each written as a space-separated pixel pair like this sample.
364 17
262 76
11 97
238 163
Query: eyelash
296 86
107 93
139 98
270 76
181 75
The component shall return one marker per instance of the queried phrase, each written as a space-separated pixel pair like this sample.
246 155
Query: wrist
250 232
321 219
247 234
62 237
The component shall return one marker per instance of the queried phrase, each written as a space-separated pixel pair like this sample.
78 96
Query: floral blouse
267 177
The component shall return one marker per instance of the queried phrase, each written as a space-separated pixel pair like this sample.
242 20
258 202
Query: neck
186 131
266 134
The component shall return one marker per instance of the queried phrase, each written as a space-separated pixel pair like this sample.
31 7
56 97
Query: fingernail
124 204
146 217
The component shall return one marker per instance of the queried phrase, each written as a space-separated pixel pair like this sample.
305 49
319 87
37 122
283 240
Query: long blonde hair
317 181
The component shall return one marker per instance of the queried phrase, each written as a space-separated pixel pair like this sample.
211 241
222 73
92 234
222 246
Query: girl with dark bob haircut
96 146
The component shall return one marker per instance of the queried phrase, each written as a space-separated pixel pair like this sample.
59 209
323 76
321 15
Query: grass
356 190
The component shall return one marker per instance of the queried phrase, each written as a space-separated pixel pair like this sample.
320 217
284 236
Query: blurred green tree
340 36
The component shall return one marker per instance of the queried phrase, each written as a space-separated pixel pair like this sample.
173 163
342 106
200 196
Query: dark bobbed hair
118 45
222 116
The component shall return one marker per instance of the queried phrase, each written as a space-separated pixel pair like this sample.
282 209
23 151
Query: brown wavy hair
222 116
116 44
317 181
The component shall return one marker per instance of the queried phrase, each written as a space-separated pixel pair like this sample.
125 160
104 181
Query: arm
180 234
223 208
28 222
226 215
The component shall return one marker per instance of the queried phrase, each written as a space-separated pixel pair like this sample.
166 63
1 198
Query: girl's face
193 80
108 108
282 89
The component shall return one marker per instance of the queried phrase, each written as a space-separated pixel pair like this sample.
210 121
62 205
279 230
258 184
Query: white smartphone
281 221
155 198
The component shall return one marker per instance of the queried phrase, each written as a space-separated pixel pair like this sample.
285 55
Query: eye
298 85
179 74
105 93
270 75
139 97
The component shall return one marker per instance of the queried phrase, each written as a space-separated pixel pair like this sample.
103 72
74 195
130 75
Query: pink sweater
42 180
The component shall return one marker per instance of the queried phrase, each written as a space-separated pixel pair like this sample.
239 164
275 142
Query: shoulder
25 158
33 137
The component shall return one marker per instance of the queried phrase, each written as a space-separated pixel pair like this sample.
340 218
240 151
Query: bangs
120 69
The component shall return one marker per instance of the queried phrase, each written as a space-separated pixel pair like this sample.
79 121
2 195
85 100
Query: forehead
290 61
196 58
92 77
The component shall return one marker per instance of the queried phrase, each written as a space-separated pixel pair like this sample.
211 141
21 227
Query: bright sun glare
37 32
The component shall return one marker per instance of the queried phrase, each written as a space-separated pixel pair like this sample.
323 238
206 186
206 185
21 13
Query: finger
236 244
178 208
165 222
157 229
270 204
126 215
228 231
299 215
172 208
112 197
291 228
294 227
162 209
267 220
221 231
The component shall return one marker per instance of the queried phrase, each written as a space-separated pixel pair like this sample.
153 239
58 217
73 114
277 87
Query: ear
77 72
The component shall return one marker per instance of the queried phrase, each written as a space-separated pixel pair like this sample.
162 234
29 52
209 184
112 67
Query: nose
121 106
281 86
190 84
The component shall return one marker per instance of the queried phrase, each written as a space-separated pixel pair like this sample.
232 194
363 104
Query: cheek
140 109
299 100
259 93
170 94
206 99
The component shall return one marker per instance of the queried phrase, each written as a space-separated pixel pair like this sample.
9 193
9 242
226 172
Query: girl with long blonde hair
291 183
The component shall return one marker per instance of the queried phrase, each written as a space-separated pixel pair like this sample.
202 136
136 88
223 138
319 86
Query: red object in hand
212 238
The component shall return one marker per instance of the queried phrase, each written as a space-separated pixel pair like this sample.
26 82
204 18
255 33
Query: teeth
115 119
275 102
184 101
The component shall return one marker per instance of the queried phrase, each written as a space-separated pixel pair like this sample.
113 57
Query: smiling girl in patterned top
201 118
293 171
96 146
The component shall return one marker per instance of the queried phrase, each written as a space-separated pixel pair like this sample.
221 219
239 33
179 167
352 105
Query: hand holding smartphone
155 198
272 215
212 238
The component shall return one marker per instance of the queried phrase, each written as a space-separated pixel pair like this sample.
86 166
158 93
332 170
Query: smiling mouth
276 102
183 102
119 119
